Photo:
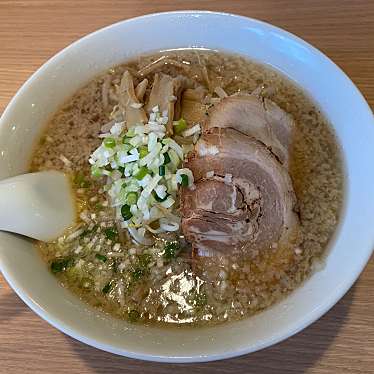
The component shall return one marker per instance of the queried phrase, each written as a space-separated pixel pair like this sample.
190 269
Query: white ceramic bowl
339 99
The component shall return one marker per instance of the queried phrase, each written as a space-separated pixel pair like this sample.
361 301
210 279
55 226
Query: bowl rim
318 312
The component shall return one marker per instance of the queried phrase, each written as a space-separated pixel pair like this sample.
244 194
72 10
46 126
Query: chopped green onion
101 257
81 181
158 198
132 198
126 142
107 287
170 250
121 169
131 133
134 315
96 171
166 158
143 171
184 181
125 212
111 233
161 170
180 126
143 151
61 265
109 142
138 273
144 259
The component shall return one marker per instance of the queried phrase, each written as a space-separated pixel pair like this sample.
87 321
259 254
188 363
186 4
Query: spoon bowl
38 205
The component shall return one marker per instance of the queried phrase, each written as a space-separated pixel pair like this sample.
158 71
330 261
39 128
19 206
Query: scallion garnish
125 212
109 142
101 257
166 158
132 198
184 180
161 170
180 126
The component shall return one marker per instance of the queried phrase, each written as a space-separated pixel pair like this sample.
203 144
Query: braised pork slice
262 120
243 200
166 93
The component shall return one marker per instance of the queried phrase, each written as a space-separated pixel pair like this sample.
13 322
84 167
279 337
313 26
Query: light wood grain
340 342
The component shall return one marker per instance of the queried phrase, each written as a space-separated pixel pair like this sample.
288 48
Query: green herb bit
166 158
132 198
158 198
161 170
144 260
86 232
81 181
107 287
143 171
200 299
171 250
111 233
138 273
109 142
61 265
133 315
101 257
96 172
180 126
121 169
184 181
143 151
125 212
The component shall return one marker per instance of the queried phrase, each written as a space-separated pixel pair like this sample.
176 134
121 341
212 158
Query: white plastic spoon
38 205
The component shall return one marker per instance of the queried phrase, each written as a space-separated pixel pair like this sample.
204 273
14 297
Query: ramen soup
207 185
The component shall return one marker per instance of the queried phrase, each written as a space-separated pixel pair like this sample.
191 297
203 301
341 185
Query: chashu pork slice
261 119
243 200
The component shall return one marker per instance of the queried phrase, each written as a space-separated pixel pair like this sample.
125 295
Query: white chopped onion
168 226
192 131
141 239
151 185
168 202
130 158
74 235
107 126
161 191
176 147
117 128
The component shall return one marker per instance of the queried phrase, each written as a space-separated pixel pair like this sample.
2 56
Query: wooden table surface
342 341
